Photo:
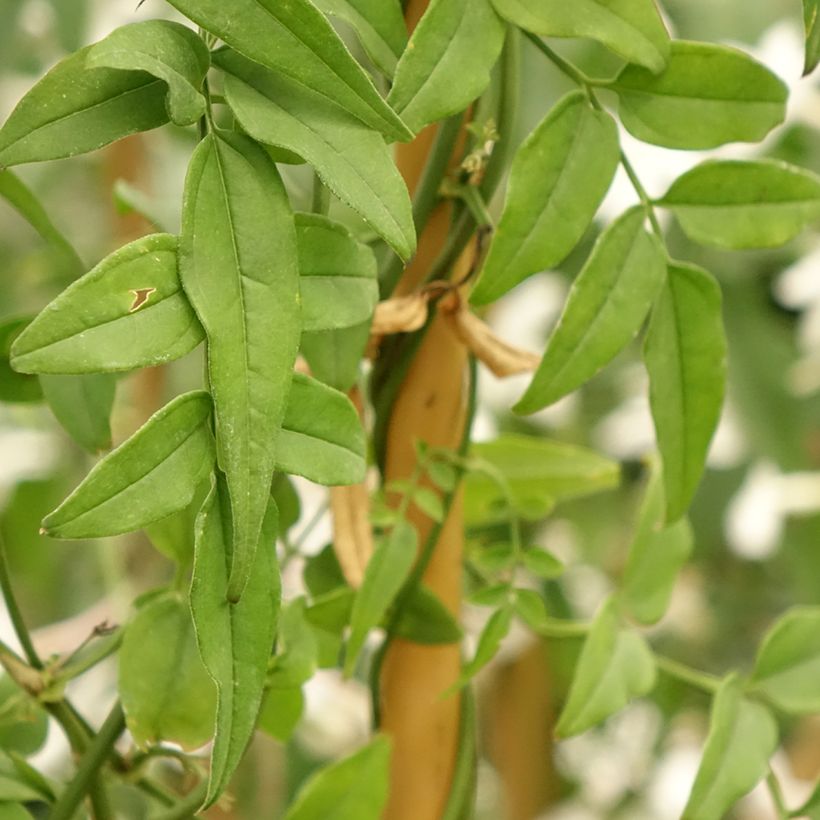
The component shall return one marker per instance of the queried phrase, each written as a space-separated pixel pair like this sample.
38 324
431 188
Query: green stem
15 614
89 769
686 674
575 74
646 200
778 798
79 664
187 807
462 792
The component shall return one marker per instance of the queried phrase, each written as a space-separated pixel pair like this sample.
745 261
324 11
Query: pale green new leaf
168 51
558 178
82 405
322 437
355 787
708 95
656 555
17 194
448 61
353 161
742 738
379 25
165 691
736 204
810 9
128 312
75 109
150 476
386 572
235 640
536 472
296 40
337 275
788 662
238 266
615 666
605 309
685 355
632 29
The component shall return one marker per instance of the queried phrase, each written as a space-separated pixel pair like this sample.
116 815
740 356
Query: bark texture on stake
430 406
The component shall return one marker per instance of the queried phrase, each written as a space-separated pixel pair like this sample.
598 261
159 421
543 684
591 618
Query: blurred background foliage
756 517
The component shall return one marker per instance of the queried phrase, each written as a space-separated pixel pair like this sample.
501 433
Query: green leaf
541 563
235 640
605 309
788 662
15 387
810 8
379 25
685 355
23 722
430 503
295 661
353 161
75 109
633 29
615 666
334 356
17 194
128 312
173 536
495 595
169 51
82 405
238 266
153 474
448 61
708 95
281 711
537 472
337 275
287 500
443 475
165 691
742 738
322 437
493 558
656 555
323 573
558 178
736 204
424 619
489 642
354 787
296 40
385 575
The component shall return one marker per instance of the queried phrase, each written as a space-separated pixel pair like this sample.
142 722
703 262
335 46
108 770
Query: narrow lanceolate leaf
354 787
128 312
742 738
810 15
351 159
735 204
386 572
558 178
337 275
153 474
17 194
656 555
708 95
615 666
447 62
489 642
606 307
165 691
631 28
235 640
168 51
82 405
322 437
15 387
685 355
789 661
75 109
238 265
296 40
379 25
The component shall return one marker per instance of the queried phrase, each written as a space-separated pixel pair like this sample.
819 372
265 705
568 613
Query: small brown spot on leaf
141 296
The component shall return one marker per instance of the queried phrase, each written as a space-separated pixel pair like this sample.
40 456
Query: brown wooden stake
430 406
